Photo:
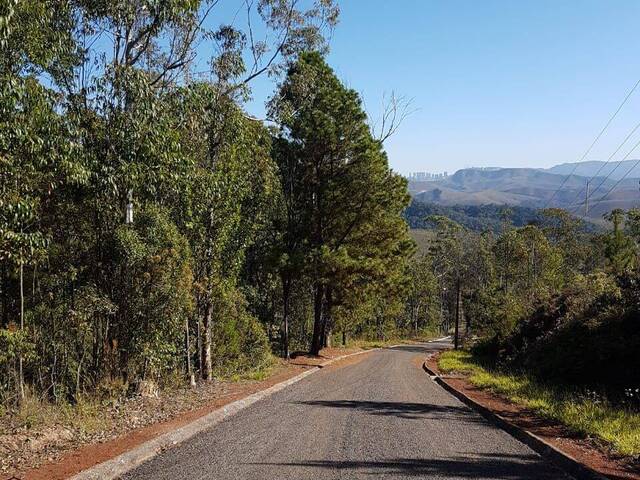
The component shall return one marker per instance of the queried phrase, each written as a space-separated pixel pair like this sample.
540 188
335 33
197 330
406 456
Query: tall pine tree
347 201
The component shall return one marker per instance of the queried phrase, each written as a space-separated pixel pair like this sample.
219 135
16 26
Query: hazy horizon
611 165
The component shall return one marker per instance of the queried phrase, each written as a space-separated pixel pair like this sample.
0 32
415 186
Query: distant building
426 176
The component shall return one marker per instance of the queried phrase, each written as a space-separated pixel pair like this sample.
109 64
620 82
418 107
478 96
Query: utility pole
457 328
586 201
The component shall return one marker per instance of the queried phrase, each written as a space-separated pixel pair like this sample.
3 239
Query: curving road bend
381 417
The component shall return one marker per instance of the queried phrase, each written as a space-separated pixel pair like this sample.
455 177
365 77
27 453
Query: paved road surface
382 417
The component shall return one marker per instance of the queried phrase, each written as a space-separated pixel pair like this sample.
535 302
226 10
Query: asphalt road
381 417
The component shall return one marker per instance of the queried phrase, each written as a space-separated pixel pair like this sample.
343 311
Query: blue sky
497 82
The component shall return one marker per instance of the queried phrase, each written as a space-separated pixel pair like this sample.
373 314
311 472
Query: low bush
588 336
241 343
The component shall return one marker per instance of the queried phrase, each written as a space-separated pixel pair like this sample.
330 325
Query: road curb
430 372
118 466
562 460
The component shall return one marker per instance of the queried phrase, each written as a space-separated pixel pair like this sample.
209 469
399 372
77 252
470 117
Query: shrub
240 344
154 298
13 343
588 336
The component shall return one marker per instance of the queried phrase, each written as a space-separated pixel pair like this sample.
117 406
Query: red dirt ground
584 450
89 455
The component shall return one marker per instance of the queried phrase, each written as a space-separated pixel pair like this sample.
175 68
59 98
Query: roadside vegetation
549 317
153 234
424 336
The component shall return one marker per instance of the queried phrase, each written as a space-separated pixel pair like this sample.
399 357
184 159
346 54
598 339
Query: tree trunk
78 377
187 353
327 336
5 297
344 338
328 318
199 346
317 340
286 289
467 319
20 360
208 333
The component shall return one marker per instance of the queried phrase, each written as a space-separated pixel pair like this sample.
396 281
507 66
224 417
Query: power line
621 179
610 173
593 143
605 163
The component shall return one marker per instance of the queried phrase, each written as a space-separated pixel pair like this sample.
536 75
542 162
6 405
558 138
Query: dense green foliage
151 230
479 218
549 299
343 226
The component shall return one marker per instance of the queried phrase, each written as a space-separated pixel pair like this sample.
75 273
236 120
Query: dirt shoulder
60 450
584 450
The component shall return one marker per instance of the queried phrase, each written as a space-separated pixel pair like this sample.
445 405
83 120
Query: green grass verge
584 413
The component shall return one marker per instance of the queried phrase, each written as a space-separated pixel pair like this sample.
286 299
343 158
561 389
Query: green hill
474 217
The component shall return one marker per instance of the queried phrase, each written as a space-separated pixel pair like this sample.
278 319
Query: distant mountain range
534 188
615 170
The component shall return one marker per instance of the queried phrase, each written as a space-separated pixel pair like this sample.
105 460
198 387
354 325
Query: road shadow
408 410
505 467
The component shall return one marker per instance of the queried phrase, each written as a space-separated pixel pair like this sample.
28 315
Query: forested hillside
481 218
151 230
478 218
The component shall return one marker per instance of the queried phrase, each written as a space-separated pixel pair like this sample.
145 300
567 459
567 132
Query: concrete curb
562 460
117 466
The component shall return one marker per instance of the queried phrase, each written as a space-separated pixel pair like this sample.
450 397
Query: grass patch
260 373
583 412
457 361
86 416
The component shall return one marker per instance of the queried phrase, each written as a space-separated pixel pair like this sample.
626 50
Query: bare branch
185 54
259 71
395 111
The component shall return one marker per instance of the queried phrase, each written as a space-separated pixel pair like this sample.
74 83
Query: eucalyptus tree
37 153
229 193
137 57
